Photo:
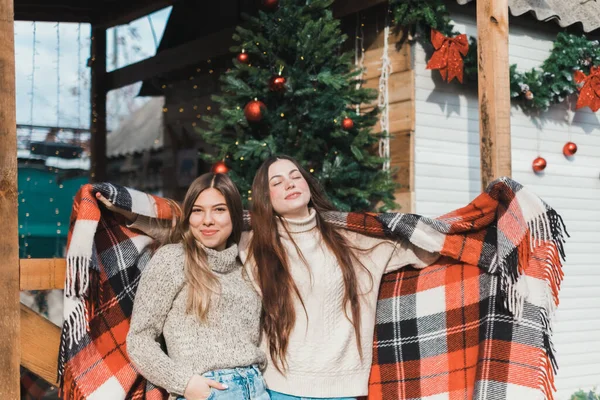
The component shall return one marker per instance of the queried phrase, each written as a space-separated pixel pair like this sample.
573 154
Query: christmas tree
292 91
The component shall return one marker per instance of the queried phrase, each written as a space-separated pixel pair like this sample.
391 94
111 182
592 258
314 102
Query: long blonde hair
198 274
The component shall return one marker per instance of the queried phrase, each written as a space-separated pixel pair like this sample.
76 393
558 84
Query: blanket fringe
77 275
76 323
545 237
69 390
546 378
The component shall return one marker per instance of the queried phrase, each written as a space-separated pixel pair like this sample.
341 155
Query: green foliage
549 84
303 41
589 395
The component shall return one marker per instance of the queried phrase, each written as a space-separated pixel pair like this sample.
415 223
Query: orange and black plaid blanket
475 325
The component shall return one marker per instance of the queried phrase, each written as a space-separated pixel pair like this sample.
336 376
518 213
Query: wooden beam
9 240
50 11
211 46
40 342
128 11
341 8
494 89
42 273
98 101
185 55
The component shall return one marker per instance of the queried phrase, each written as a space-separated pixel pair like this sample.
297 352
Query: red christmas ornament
220 168
529 95
254 110
277 83
448 55
269 4
539 164
347 124
243 57
589 89
569 149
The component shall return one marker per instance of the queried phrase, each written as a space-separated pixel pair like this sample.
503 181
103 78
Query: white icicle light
383 101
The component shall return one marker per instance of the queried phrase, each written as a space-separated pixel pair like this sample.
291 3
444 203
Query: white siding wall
447 176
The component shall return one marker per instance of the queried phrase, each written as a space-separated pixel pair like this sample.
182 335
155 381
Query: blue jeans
282 396
244 383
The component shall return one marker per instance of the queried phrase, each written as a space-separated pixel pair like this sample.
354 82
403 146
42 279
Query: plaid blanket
104 264
475 325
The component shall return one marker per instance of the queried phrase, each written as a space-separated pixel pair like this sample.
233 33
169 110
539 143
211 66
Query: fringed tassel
77 276
75 320
513 289
546 377
69 389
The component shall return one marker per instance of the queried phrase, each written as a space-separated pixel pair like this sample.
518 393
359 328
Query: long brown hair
272 269
198 274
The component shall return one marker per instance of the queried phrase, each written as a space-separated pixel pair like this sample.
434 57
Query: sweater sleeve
159 284
391 255
152 227
405 253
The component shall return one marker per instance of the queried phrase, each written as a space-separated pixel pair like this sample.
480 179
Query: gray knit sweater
229 338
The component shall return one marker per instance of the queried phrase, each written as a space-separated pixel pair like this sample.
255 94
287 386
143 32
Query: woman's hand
111 207
199 387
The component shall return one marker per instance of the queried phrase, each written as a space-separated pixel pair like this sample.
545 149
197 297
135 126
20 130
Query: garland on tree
569 68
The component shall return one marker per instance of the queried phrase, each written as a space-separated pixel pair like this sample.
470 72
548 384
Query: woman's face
288 190
210 221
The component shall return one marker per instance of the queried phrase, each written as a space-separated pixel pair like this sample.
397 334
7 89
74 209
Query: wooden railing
40 338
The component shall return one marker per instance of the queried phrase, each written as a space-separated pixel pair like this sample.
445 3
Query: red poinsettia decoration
448 55
589 88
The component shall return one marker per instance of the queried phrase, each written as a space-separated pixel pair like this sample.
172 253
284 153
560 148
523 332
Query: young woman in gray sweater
194 293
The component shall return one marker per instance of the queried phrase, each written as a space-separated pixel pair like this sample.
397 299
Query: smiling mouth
208 233
292 196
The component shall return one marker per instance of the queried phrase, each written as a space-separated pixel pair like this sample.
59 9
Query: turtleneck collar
223 261
298 226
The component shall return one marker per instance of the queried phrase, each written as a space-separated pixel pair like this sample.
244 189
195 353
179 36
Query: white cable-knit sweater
323 358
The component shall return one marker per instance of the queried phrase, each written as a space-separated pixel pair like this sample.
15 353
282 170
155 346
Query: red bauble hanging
529 95
243 57
539 164
254 110
220 168
347 123
277 83
269 4
569 149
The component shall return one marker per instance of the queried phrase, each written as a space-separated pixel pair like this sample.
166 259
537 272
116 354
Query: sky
56 92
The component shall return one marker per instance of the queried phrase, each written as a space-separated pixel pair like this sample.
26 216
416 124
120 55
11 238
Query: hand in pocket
199 388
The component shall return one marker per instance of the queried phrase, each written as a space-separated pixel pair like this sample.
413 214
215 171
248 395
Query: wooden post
10 354
494 89
98 101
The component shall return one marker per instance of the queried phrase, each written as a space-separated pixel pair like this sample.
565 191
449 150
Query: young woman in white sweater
319 286
195 294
